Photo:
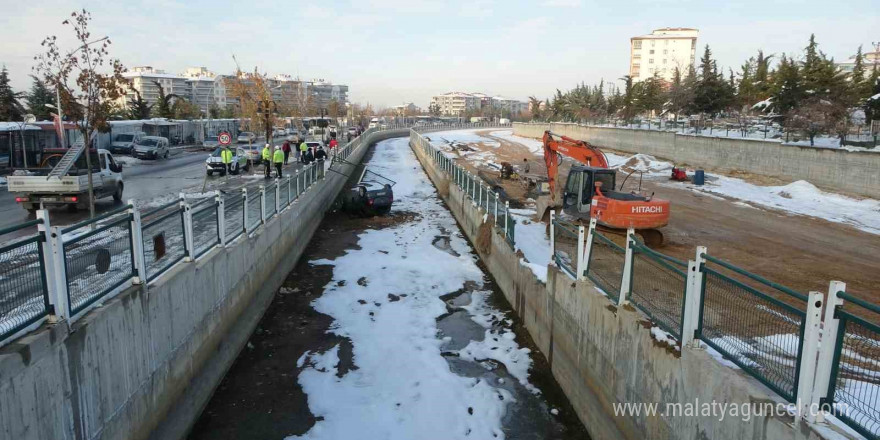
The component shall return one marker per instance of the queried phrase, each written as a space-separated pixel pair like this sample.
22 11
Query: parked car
124 143
210 143
152 147
279 132
253 153
247 137
352 131
214 164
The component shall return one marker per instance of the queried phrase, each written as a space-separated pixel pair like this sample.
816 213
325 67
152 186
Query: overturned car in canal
372 195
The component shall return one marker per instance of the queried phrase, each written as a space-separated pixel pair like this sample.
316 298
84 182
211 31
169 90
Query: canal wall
852 172
602 354
143 364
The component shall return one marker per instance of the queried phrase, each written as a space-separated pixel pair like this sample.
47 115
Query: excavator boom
580 151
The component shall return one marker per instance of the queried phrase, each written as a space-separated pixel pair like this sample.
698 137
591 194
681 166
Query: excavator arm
580 151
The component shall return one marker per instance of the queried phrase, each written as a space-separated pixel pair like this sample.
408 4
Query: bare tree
87 80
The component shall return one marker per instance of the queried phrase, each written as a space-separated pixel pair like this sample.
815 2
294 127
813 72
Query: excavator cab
581 187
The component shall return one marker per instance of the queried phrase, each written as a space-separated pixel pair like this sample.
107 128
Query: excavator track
652 238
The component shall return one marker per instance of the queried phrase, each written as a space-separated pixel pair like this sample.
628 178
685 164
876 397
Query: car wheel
117 196
166 155
210 173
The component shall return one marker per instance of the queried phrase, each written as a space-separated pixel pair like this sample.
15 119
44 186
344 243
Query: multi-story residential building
406 109
322 92
509 107
869 60
661 51
203 89
144 80
456 103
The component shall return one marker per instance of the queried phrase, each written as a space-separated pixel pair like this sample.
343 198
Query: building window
693 44
664 60
665 51
651 61
651 52
637 44
637 57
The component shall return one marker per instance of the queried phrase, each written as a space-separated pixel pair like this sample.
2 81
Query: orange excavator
590 192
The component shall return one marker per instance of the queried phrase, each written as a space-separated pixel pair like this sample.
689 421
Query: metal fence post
277 200
552 234
693 300
289 190
809 355
496 211
221 217
581 264
59 297
187 229
245 207
626 278
137 239
49 267
506 217
480 200
262 204
827 349
588 247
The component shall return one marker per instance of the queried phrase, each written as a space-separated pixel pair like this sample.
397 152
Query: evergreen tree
37 99
628 102
746 93
164 107
139 109
787 90
859 84
712 94
10 105
872 104
762 81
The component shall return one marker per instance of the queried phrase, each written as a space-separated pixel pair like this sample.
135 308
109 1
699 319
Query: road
184 171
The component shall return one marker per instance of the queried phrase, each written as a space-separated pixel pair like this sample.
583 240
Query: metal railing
98 258
658 287
206 228
254 208
605 264
163 232
24 300
234 215
567 245
479 193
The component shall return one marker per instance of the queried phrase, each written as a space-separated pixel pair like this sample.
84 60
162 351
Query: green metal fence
744 318
255 211
269 206
854 388
605 266
98 258
205 228
25 296
234 212
565 246
164 240
658 287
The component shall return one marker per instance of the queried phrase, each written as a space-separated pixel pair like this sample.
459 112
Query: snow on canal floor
385 296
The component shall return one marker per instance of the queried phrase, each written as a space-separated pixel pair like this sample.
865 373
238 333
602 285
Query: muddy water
261 398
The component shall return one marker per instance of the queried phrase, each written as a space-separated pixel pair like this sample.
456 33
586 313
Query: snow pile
385 297
532 240
443 138
2 181
535 146
664 337
130 161
803 198
644 163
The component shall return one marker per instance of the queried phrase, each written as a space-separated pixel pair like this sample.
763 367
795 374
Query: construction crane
590 192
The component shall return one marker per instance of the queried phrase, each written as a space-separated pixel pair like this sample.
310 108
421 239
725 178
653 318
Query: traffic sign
225 138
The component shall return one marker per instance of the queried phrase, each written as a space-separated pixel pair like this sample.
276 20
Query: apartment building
869 59
144 80
509 107
406 109
661 51
456 103
323 92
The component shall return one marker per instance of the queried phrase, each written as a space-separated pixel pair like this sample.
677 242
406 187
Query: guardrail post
262 204
49 267
824 366
59 297
809 355
187 229
496 212
137 240
480 200
581 264
588 245
626 279
245 207
552 234
221 217
277 196
693 300
289 190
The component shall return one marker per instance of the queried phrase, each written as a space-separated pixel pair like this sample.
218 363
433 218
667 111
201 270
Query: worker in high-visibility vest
303 147
226 158
278 158
267 160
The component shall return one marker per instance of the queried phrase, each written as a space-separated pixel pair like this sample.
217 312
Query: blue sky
391 51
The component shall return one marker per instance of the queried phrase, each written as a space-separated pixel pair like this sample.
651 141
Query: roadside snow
535 146
2 181
532 240
800 197
385 297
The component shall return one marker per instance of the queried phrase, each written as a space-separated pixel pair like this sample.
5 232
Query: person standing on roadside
226 158
302 150
333 143
320 154
279 157
267 160
285 147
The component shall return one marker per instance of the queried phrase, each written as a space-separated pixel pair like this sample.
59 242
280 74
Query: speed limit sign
225 138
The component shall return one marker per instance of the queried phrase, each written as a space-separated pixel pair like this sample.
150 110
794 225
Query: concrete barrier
603 355
144 364
853 172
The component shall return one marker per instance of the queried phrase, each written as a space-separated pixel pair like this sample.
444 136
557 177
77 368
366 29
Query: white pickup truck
33 187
